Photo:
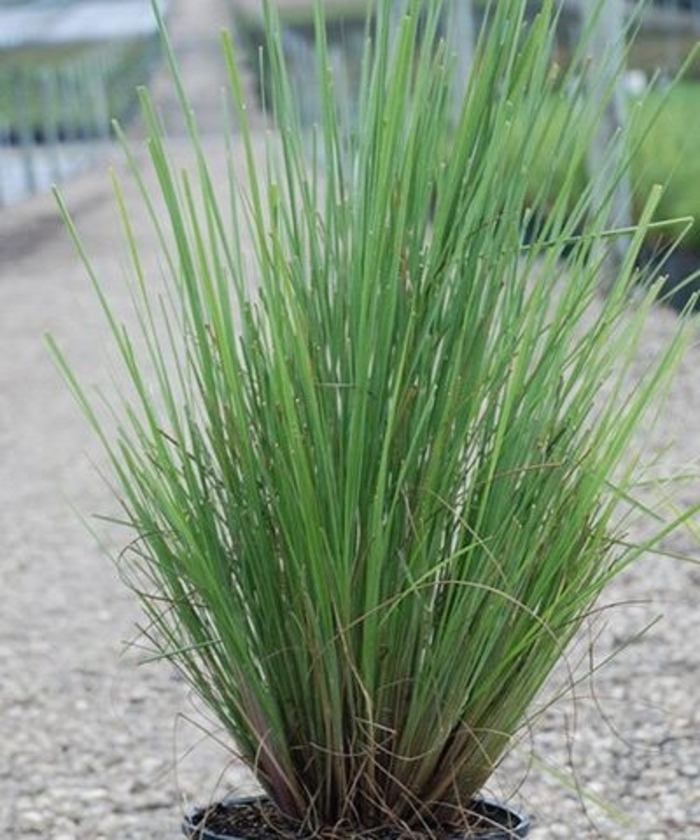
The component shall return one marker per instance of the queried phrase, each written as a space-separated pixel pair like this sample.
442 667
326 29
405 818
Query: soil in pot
258 819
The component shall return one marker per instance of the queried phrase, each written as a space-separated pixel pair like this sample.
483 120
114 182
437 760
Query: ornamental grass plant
370 498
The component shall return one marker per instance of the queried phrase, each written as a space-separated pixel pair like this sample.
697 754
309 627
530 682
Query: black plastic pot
508 824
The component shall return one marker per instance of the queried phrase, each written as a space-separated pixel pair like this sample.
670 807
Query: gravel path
94 747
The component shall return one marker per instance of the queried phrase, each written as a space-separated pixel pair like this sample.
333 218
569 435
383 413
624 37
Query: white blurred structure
81 20
606 24
636 83
461 37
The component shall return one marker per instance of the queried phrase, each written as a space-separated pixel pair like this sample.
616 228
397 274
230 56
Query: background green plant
668 155
373 497
663 153
71 90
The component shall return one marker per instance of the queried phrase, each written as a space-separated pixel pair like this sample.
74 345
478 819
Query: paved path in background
195 31
195 28
92 748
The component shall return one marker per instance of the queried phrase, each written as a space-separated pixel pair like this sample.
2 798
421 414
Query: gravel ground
95 747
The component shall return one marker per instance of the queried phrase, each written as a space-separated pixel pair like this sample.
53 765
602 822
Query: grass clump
373 495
